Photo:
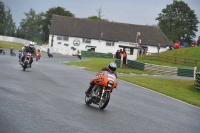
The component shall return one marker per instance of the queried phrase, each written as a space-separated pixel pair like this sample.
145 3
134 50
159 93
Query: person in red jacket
198 41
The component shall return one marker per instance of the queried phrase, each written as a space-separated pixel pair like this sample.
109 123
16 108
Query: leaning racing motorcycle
105 82
27 59
37 56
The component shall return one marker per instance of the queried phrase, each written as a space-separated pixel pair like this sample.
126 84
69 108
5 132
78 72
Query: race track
49 98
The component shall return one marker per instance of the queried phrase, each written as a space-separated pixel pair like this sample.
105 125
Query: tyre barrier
197 81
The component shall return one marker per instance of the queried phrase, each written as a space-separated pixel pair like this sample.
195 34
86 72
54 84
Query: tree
9 24
100 13
178 20
30 27
99 17
46 22
2 16
94 18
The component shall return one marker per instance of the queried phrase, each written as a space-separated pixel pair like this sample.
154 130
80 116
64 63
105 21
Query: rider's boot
31 63
21 61
90 88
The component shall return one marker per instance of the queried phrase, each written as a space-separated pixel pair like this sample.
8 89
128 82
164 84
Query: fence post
121 60
195 70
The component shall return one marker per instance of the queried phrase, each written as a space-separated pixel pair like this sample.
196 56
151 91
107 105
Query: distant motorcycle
27 59
79 56
2 51
105 82
13 53
50 54
38 56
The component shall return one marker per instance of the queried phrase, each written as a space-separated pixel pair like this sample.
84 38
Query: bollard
121 61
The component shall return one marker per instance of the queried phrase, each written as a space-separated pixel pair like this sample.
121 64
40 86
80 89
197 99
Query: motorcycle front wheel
87 100
104 100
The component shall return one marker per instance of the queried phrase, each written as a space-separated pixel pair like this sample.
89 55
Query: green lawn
189 52
95 64
8 45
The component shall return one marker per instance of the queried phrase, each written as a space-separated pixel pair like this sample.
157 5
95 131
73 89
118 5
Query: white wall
14 39
99 44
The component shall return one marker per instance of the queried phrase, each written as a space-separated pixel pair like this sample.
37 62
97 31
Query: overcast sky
140 12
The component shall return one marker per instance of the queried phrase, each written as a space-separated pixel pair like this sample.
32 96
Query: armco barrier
163 70
197 81
135 64
118 62
96 54
185 72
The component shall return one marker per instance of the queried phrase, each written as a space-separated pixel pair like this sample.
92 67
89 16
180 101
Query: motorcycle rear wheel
87 100
104 101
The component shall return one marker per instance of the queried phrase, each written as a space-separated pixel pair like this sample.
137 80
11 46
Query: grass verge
95 65
8 45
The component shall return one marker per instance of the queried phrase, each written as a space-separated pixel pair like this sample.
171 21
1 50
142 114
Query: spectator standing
158 47
124 56
198 41
117 55
182 42
120 53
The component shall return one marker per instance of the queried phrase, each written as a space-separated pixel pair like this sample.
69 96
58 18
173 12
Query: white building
68 34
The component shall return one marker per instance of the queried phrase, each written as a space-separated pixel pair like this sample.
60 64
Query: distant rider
11 51
20 54
29 49
111 69
79 54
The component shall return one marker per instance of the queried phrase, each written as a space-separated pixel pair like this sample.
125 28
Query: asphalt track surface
49 98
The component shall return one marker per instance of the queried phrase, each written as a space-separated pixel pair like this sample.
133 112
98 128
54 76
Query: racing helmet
31 45
112 67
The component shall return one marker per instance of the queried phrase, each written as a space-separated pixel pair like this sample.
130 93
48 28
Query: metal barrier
197 81
96 54
118 62
163 70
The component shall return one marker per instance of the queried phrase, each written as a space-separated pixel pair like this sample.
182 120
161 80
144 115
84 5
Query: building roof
109 31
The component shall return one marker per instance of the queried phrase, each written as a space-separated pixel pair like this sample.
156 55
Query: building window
59 37
65 38
86 40
108 43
